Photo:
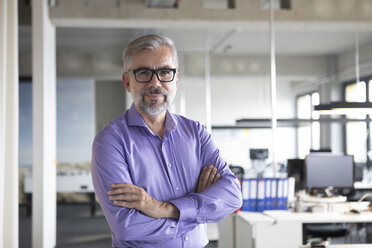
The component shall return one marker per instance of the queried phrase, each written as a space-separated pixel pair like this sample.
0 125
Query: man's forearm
131 196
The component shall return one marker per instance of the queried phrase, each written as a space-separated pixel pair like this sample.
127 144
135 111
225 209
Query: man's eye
165 72
143 73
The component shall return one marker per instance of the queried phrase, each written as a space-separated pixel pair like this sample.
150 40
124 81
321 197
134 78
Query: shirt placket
172 170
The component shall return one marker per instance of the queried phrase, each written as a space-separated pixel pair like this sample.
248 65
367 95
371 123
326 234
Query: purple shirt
127 151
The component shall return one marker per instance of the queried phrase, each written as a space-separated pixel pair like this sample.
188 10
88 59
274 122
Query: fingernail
109 192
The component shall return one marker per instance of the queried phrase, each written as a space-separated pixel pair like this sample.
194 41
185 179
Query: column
8 124
44 127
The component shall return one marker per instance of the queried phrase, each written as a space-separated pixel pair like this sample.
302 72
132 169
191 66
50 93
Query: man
158 176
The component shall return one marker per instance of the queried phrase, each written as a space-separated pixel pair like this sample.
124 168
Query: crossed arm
131 196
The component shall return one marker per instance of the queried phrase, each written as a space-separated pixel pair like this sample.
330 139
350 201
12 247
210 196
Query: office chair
325 231
237 170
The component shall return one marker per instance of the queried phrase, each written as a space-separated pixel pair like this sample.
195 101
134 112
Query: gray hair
150 42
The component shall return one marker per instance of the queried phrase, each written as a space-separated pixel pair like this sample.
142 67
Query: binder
279 201
283 193
252 199
268 194
245 194
260 195
274 193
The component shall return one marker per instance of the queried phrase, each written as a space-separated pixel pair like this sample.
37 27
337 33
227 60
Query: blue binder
268 194
245 194
274 193
260 195
252 200
279 197
282 193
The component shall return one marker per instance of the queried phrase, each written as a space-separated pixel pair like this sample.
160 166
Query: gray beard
152 108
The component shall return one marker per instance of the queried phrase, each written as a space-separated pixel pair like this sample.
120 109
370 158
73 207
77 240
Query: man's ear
126 82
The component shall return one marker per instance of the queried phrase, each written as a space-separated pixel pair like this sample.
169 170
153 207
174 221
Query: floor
75 228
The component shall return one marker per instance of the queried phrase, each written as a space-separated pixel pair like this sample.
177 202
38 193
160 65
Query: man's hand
131 196
208 176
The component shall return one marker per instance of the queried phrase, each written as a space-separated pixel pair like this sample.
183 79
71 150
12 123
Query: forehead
159 57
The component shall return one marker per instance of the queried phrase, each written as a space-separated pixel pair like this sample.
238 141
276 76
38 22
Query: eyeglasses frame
154 71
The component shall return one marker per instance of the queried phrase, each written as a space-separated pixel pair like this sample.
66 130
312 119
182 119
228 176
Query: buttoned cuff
187 208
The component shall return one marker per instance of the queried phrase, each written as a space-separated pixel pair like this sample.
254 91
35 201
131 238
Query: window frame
366 120
310 93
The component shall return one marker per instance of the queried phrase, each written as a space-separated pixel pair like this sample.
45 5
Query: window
75 121
308 134
358 125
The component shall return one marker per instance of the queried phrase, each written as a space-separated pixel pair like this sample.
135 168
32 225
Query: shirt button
186 238
177 188
169 165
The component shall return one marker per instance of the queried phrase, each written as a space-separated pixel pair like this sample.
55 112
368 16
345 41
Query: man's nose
155 82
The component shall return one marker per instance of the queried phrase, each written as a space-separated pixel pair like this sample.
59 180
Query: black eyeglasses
144 75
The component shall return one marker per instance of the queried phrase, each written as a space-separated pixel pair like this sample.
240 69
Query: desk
343 246
257 230
284 229
68 181
325 217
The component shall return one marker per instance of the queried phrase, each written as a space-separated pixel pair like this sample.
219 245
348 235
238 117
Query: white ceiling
289 41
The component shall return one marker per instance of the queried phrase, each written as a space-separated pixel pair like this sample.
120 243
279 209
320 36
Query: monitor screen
323 171
258 153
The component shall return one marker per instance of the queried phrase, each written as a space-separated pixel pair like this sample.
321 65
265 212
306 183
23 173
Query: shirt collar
135 119
170 122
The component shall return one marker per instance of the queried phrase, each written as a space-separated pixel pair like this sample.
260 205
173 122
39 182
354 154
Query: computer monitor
258 153
323 171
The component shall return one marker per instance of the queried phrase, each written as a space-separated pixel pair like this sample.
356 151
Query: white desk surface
324 217
272 216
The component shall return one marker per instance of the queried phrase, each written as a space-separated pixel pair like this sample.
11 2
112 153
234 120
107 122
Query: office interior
240 69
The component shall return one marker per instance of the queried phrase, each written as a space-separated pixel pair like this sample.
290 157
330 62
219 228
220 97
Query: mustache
153 90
